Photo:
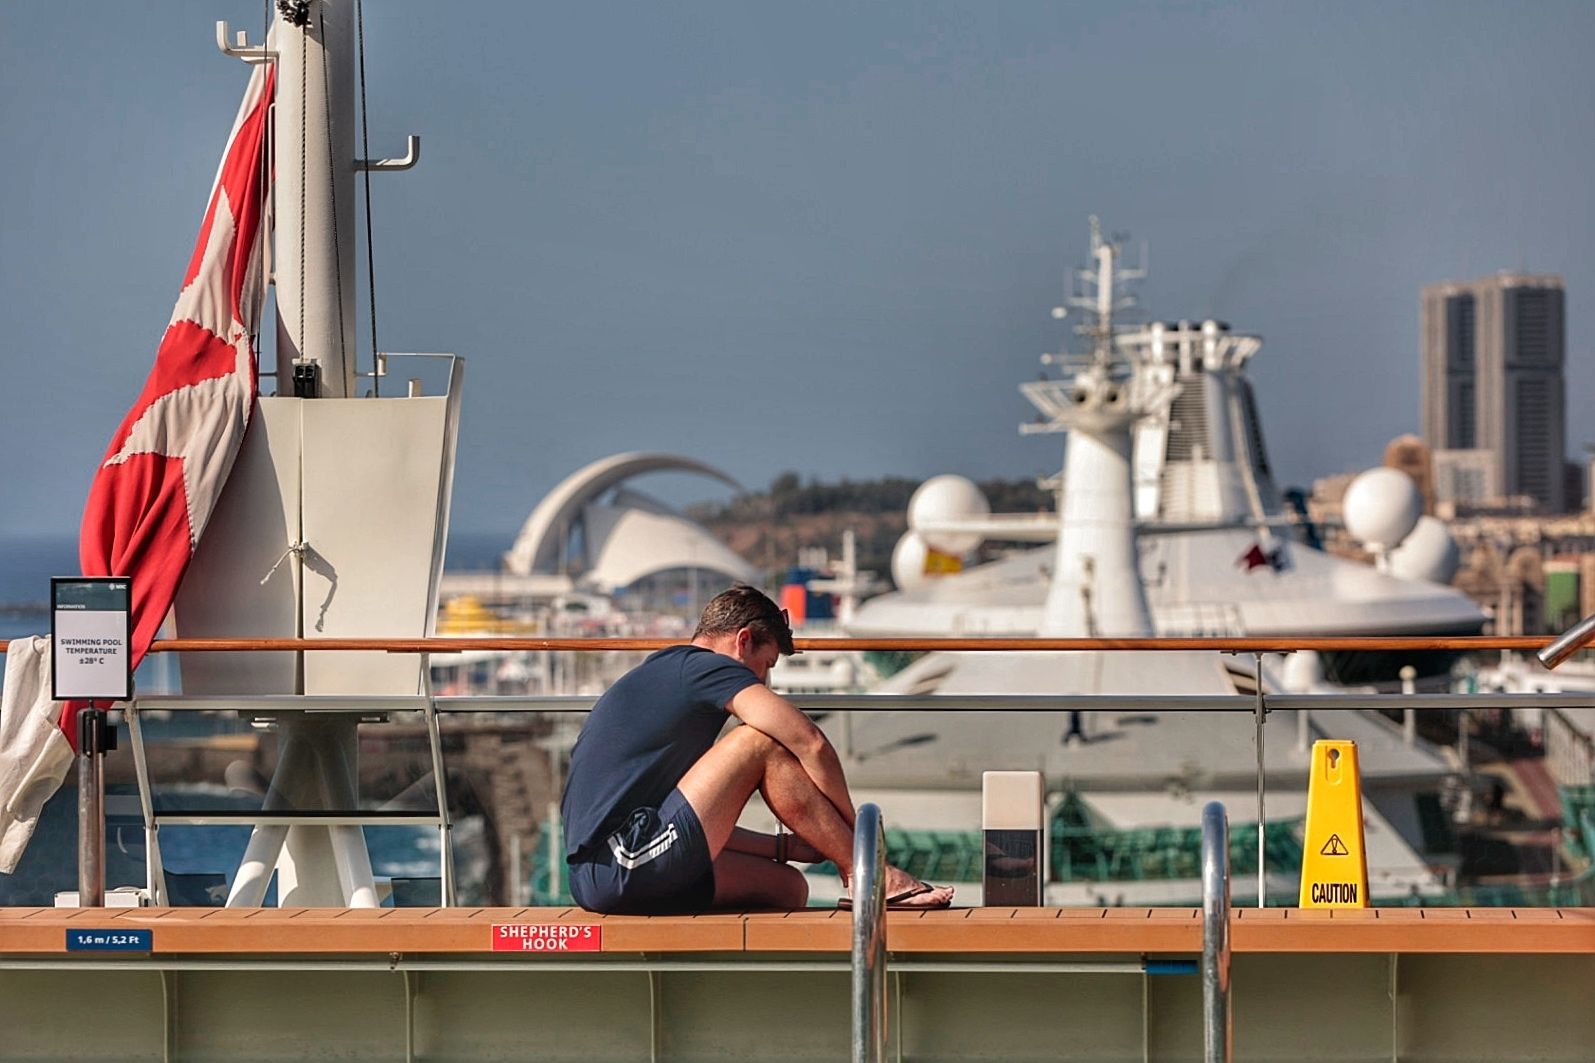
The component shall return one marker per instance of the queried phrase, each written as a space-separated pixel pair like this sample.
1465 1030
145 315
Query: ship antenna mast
1102 255
1096 293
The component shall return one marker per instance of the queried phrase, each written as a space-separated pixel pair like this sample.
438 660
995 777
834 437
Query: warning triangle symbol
1334 847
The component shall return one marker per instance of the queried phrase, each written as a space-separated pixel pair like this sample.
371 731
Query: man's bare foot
899 881
904 891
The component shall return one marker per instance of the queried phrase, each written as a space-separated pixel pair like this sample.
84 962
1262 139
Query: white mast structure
1096 587
314 139
846 581
333 520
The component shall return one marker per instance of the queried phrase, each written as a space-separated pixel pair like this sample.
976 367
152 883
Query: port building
1493 353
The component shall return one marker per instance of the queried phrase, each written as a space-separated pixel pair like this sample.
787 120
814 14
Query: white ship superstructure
1217 550
1164 492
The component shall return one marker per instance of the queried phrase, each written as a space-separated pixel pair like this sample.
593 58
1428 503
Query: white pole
556 854
516 895
314 250
1409 718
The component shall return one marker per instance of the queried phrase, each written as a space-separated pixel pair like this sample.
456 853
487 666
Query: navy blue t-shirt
643 735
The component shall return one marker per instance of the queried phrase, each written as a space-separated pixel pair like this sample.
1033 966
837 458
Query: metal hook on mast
240 48
412 155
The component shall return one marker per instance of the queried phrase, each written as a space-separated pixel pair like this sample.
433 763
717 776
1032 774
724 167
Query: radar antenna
1097 291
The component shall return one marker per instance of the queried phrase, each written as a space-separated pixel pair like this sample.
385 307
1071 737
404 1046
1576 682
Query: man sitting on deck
652 802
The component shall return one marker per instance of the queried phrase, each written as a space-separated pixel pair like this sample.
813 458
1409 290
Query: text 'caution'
1343 893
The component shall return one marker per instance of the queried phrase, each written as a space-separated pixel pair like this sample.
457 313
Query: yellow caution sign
1334 866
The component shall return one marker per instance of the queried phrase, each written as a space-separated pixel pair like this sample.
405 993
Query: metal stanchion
1572 640
1217 1041
92 744
869 937
1261 717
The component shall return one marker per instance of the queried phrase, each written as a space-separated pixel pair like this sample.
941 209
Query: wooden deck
1462 985
974 931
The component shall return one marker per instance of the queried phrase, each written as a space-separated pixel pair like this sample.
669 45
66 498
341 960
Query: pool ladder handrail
868 889
1217 1036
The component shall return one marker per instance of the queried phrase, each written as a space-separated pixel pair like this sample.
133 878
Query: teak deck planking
970 931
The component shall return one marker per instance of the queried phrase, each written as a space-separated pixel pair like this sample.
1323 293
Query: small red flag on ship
1257 557
165 467
1253 558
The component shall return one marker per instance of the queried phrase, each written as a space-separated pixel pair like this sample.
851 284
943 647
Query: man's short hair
746 607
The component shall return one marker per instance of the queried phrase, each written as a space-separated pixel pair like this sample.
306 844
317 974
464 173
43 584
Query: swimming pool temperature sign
91 629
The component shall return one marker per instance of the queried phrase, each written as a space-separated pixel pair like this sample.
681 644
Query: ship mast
1096 588
356 530
314 135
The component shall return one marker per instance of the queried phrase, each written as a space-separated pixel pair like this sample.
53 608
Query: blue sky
821 237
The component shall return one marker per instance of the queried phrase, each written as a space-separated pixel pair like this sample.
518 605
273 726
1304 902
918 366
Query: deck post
91 807
1217 1040
1261 717
869 937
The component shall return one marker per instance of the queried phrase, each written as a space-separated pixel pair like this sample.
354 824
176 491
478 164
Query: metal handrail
433 707
305 706
1217 1039
436 707
457 704
1570 642
1271 644
1569 752
869 936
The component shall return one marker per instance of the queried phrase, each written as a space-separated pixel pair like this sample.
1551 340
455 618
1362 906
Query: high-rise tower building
1493 352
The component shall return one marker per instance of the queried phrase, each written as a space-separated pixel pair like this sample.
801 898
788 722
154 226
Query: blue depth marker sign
110 940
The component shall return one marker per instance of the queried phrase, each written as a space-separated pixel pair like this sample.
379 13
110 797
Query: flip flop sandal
894 903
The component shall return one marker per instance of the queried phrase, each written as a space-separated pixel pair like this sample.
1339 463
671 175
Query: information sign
91 629
547 937
118 940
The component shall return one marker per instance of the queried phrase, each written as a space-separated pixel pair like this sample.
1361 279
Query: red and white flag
165 467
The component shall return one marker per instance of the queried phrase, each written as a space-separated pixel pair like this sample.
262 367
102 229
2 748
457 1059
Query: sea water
49 864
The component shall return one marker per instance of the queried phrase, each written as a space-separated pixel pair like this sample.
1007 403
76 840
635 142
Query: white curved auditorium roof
626 538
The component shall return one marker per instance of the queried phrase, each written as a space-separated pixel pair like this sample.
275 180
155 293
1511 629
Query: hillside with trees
769 527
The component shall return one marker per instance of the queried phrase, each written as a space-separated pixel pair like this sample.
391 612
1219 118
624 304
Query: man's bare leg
720 784
742 880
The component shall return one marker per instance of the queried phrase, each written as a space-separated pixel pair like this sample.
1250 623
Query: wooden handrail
1279 644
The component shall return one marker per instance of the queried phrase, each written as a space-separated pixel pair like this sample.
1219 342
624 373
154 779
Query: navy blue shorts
657 863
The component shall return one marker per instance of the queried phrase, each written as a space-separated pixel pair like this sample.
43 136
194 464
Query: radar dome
908 561
943 499
1381 507
1427 553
